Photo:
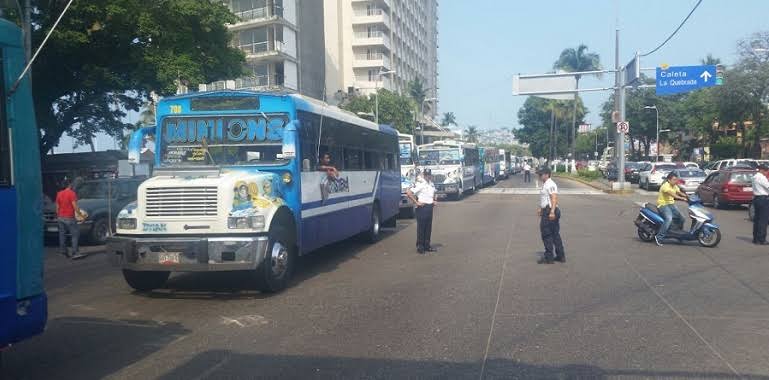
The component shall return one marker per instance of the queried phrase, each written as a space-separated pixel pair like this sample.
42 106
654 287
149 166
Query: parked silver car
690 179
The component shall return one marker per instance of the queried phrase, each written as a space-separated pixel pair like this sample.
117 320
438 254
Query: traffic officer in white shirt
550 218
423 195
526 172
760 204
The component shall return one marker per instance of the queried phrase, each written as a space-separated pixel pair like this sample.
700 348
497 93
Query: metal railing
260 13
262 47
368 12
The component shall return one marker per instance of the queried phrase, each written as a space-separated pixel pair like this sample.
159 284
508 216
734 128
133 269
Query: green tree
471 134
394 109
106 56
536 117
417 91
448 119
577 60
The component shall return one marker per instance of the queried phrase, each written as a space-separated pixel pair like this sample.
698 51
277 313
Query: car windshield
746 164
95 190
632 165
690 173
405 156
438 156
667 167
742 178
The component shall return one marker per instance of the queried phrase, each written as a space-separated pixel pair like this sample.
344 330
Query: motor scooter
703 228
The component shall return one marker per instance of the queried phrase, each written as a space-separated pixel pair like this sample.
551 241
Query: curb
595 186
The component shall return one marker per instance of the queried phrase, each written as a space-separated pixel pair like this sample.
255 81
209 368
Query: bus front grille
181 201
439 178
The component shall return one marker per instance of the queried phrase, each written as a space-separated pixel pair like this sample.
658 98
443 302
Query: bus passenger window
352 159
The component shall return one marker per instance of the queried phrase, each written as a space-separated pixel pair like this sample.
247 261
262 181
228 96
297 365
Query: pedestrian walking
67 212
526 172
550 219
760 204
424 197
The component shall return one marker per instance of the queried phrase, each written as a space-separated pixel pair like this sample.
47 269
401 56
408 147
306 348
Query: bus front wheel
274 272
145 281
375 230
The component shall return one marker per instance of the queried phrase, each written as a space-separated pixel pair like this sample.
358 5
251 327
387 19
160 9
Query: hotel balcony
371 16
374 60
371 39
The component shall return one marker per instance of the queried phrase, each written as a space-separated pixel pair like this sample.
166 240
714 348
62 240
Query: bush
588 175
561 168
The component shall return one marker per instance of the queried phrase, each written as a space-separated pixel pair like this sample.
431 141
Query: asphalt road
479 308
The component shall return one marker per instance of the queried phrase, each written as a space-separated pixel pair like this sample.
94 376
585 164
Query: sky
483 43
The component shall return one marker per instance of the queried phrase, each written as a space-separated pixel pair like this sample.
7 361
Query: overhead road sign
633 71
680 79
549 86
623 127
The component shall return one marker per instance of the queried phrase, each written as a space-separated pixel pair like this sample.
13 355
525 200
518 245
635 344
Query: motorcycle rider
666 204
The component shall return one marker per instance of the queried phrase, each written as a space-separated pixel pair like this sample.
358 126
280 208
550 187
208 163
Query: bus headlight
255 222
126 223
287 178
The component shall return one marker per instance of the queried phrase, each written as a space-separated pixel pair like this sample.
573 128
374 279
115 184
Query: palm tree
448 119
417 91
710 60
471 134
577 60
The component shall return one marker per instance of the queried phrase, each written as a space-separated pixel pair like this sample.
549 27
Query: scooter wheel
645 235
709 241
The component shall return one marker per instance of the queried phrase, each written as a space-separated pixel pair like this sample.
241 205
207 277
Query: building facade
331 49
283 43
386 44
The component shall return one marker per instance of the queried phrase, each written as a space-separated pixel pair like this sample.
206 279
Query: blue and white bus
490 162
247 181
23 305
407 160
456 166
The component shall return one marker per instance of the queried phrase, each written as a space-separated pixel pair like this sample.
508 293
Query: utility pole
619 108
27 28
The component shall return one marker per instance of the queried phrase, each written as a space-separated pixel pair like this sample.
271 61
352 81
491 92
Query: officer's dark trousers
551 234
761 218
526 176
424 226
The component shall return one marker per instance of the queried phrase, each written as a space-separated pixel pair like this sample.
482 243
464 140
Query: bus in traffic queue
23 301
456 166
505 166
407 155
490 162
248 180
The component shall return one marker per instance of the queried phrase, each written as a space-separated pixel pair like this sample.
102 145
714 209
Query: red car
727 187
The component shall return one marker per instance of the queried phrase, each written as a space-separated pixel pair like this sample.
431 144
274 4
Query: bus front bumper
447 188
187 254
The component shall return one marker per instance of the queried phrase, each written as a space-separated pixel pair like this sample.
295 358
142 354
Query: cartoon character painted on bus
248 198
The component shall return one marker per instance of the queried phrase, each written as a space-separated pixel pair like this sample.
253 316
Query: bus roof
451 143
301 102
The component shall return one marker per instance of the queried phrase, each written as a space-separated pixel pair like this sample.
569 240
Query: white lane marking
530 191
245 321
205 374
496 305
682 318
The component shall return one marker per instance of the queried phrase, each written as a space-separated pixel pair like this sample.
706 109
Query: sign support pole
619 105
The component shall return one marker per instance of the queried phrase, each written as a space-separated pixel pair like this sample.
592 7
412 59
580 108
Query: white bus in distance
456 166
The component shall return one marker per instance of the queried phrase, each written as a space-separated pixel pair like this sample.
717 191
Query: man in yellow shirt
666 203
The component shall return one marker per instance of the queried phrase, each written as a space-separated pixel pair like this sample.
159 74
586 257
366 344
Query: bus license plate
168 258
747 189
52 229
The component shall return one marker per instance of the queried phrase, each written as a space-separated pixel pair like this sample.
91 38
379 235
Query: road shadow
229 365
242 284
87 348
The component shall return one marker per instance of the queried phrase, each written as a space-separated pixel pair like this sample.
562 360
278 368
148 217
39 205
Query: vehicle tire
374 232
717 202
100 231
457 196
274 272
645 236
641 184
751 212
145 281
711 241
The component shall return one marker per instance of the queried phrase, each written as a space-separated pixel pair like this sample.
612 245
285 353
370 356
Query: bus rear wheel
274 272
374 232
145 281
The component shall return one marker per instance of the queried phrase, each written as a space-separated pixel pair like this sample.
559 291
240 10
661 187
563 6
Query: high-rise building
380 44
283 43
327 49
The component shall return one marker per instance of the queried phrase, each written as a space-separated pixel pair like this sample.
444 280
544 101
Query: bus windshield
406 157
437 156
228 140
94 190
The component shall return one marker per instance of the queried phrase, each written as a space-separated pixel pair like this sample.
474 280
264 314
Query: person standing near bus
550 219
67 211
526 172
423 195
760 204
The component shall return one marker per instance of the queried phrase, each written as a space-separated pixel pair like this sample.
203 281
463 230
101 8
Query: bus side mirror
306 165
137 143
